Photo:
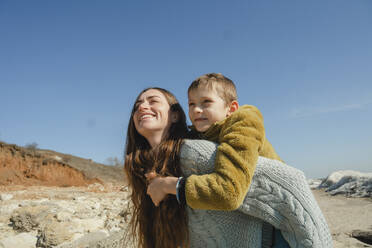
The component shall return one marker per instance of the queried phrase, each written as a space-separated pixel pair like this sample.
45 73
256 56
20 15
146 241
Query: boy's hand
159 187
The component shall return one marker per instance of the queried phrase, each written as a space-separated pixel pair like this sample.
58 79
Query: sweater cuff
180 191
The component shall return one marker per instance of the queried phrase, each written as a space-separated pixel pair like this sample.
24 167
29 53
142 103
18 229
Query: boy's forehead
204 91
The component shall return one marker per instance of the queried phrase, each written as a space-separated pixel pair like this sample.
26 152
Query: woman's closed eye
136 106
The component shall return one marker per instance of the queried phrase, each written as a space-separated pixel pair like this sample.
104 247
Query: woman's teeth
146 116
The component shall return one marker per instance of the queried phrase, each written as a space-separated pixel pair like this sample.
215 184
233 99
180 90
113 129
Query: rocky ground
38 216
96 216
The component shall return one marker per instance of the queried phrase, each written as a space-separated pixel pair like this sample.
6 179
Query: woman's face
152 116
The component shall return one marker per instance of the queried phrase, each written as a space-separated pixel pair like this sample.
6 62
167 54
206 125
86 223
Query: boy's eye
207 101
191 104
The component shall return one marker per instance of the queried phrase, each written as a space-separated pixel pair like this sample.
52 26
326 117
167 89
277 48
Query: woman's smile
146 116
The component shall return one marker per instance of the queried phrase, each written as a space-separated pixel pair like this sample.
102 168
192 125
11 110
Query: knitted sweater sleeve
240 138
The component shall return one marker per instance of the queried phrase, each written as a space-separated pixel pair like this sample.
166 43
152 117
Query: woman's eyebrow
149 97
138 101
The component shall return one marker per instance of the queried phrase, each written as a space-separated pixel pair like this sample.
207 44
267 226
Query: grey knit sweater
279 195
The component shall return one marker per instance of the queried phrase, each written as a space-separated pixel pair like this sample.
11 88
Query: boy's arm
241 137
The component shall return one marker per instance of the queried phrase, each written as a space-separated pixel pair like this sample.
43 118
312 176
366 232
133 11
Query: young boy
239 131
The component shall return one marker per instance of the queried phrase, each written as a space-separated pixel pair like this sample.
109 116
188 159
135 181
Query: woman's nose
143 106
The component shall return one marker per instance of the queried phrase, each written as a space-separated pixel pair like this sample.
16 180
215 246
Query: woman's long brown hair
164 226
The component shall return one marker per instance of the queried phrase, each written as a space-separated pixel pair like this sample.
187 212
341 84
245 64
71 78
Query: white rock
54 233
5 197
88 240
88 225
351 183
58 158
336 176
24 240
96 205
96 186
79 198
42 200
118 202
8 209
63 216
314 183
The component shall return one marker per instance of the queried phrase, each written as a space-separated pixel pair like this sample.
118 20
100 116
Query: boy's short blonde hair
224 86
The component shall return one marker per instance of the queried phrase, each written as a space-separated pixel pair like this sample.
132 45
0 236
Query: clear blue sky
70 71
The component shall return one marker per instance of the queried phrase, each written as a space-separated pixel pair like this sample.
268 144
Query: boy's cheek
190 117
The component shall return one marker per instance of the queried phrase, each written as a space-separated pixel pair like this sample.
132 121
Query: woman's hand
159 187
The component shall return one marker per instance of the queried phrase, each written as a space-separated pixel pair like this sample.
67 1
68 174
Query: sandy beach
344 215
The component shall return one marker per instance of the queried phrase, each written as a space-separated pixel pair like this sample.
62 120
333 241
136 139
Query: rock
115 240
58 158
96 205
63 216
87 225
24 240
96 187
8 209
79 198
125 213
27 218
314 183
336 176
54 233
99 240
124 189
363 236
350 183
88 240
5 197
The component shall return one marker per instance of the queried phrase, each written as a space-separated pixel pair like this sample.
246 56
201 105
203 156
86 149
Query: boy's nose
197 109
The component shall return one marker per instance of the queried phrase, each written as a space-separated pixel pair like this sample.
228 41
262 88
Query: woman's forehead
151 93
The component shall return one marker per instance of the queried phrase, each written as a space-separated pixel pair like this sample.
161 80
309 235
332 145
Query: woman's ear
174 117
234 105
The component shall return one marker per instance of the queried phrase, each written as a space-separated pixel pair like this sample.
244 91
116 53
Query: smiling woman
156 129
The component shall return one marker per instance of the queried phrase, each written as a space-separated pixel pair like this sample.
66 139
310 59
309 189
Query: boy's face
206 107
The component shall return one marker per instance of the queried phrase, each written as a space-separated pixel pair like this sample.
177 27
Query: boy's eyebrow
201 98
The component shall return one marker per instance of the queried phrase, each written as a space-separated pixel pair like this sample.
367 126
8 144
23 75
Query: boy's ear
234 105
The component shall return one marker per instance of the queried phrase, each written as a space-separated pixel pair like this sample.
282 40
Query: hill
30 166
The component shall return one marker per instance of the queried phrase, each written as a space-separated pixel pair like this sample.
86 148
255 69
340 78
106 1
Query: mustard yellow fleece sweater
241 138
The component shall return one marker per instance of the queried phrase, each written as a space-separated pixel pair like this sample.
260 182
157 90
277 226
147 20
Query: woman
155 133
155 143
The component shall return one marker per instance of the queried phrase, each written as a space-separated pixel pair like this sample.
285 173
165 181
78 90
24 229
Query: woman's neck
154 142
155 139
